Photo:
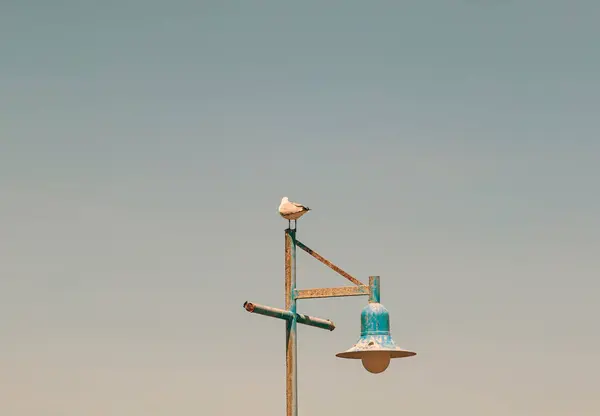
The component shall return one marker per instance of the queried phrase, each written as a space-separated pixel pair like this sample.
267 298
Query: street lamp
375 347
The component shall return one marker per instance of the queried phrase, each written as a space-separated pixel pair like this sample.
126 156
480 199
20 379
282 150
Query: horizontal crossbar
331 292
288 315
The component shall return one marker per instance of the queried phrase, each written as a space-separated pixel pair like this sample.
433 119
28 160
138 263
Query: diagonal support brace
329 264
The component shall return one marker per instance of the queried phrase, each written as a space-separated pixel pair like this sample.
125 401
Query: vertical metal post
374 294
291 376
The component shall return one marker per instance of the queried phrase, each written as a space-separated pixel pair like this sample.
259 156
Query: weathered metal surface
329 264
291 357
268 311
375 343
316 322
291 401
288 316
288 269
375 335
330 292
374 292
374 320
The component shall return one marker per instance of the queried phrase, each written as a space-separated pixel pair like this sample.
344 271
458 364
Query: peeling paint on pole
374 292
291 363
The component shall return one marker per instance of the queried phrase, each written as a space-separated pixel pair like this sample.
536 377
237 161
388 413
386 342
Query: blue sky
449 147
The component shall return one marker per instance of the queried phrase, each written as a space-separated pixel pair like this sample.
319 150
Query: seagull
291 211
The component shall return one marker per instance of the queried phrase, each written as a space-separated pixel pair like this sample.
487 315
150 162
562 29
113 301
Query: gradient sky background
451 147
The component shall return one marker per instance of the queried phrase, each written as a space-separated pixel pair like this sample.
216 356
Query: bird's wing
300 206
289 208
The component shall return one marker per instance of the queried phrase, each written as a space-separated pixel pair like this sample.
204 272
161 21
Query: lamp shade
375 347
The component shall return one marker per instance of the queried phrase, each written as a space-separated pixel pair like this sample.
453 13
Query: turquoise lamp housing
375 347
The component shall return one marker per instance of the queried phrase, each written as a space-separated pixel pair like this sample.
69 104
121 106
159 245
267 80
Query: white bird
291 211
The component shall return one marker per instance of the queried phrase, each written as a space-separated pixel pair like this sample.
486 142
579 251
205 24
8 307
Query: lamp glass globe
376 361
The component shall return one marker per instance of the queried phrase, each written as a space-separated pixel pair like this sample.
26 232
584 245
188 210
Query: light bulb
376 361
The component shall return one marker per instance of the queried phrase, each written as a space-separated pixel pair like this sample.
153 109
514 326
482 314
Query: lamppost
375 346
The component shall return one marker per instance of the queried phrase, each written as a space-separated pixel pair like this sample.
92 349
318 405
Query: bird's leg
289 224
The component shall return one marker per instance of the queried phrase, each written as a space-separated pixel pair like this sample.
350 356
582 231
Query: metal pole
291 376
374 293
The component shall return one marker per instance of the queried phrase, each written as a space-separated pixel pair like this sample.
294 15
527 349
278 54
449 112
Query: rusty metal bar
329 264
316 322
330 292
291 347
268 311
288 316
